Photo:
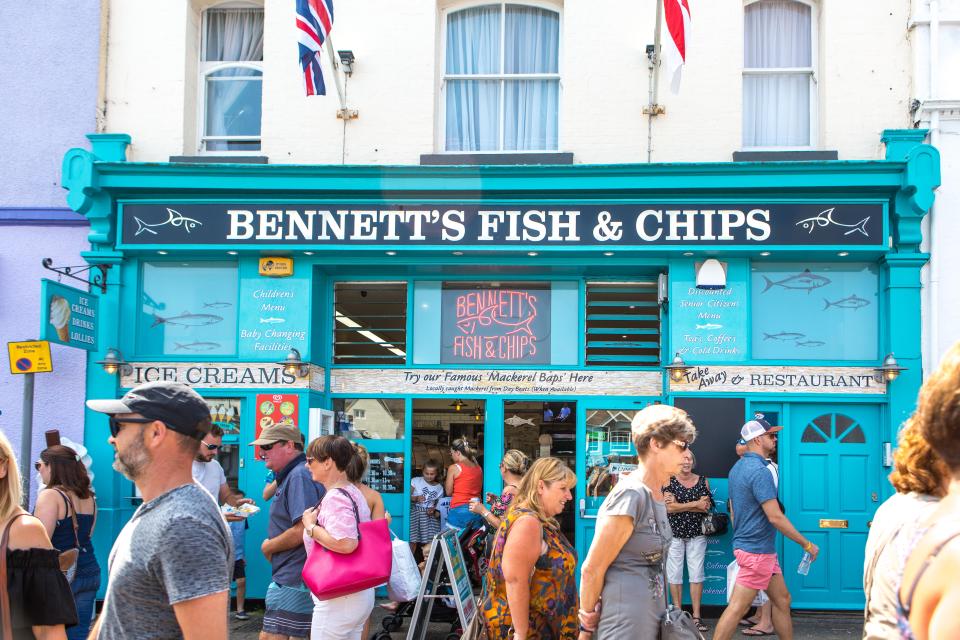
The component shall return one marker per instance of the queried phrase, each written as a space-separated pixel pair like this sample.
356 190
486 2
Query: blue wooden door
832 476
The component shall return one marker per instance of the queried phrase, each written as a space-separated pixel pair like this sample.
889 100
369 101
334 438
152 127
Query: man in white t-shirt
209 474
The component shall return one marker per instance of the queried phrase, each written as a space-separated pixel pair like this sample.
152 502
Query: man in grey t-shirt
169 574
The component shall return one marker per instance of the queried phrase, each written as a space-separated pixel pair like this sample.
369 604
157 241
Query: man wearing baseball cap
288 601
169 568
756 519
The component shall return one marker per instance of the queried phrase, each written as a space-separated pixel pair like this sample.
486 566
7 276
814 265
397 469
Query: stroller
474 544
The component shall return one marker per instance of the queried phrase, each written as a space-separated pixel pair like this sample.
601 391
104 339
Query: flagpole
653 63
336 75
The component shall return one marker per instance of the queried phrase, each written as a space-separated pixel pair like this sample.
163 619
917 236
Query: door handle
583 511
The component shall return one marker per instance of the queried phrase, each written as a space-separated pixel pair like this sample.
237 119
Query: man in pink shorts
756 519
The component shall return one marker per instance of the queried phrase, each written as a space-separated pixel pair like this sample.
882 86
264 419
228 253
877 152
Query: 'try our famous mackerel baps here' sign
498 224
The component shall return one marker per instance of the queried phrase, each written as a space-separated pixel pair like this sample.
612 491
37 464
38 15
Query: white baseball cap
755 428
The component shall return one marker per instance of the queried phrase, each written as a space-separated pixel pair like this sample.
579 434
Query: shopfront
533 308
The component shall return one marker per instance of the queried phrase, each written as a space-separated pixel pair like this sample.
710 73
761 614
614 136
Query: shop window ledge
213 159
495 158
784 156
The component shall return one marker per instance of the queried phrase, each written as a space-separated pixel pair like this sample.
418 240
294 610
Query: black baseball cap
173 403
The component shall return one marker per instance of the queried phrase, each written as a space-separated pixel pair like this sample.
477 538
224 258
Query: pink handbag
329 574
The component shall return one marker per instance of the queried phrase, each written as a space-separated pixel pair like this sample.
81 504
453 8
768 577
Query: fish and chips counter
524 307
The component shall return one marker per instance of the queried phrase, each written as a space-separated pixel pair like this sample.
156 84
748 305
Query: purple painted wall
49 69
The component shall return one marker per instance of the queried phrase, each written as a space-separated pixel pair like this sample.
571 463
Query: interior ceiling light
458 404
369 335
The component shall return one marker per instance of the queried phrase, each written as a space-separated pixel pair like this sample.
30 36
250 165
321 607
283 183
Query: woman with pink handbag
335 553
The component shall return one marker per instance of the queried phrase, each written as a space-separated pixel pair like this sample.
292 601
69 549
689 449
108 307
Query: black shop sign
500 225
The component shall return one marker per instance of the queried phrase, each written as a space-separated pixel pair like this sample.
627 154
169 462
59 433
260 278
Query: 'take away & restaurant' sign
498 225
747 379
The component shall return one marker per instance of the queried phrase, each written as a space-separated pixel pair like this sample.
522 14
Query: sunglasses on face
116 422
267 447
212 447
36 465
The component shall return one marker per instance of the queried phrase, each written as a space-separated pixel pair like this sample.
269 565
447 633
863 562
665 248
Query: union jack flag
314 21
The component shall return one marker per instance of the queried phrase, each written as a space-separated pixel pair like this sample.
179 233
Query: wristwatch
310 529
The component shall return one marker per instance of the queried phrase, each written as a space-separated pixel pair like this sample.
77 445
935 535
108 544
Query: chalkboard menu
718 422
495 325
385 473
709 325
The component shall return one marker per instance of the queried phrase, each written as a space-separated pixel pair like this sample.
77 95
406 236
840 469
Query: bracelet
583 629
808 546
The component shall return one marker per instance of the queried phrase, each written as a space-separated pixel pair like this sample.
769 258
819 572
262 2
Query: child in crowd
425 492
238 527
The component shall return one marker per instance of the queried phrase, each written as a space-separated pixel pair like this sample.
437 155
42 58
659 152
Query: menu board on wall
385 473
274 316
709 325
496 325
275 408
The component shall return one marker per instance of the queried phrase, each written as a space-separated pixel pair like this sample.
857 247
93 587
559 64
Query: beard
133 461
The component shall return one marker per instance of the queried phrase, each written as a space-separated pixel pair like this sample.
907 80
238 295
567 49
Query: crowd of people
649 526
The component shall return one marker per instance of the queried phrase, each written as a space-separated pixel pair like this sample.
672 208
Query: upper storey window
501 80
231 74
779 84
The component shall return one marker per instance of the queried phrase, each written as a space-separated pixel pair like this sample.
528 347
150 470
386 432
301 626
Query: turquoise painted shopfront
528 307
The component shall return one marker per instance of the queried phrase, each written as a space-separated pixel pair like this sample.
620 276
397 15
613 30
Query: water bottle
805 561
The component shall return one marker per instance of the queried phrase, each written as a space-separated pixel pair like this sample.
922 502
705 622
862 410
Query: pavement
807 625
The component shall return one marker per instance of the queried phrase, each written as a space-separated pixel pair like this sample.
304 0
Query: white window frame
204 69
502 77
810 71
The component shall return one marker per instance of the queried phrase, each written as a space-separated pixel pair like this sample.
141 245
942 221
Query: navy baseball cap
756 427
173 403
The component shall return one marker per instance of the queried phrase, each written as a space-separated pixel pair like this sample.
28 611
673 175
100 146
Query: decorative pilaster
920 179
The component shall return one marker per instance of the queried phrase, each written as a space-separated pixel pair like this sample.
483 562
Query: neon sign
496 325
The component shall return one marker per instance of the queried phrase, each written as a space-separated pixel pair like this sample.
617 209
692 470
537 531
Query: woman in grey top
622 593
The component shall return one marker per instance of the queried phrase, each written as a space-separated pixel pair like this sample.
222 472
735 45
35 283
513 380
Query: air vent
623 324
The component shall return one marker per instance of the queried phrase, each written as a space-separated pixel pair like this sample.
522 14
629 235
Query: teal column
903 338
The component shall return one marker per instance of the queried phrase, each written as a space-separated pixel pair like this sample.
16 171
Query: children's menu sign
69 316
495 325
710 325
274 315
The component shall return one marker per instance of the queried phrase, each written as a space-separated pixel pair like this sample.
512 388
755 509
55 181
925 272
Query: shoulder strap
868 573
923 568
72 512
356 512
4 595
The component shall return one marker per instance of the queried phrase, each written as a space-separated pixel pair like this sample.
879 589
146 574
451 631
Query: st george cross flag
314 21
677 13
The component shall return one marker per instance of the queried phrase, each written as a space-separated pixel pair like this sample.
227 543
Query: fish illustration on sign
710 326
825 219
271 320
217 305
854 302
188 319
784 336
489 315
517 421
810 343
174 219
804 281
196 346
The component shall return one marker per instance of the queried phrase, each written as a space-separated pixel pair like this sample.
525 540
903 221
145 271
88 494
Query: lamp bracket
97 271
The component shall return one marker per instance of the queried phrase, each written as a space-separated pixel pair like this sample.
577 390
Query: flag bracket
348 114
654 109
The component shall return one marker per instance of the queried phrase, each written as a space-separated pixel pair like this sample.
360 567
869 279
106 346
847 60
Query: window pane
370 323
609 449
234 103
233 35
854 437
623 325
369 418
532 40
473 40
530 115
776 110
812 435
776 33
473 122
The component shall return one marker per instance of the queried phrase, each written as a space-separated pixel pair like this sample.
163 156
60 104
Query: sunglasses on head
267 447
680 443
211 447
115 423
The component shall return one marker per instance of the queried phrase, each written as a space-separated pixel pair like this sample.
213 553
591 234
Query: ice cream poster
69 316
275 408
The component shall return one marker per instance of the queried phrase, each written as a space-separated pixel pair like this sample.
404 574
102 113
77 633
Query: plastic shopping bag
732 570
404 583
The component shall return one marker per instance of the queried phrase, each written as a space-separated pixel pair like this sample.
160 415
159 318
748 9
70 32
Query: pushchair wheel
392 623
453 636
382 635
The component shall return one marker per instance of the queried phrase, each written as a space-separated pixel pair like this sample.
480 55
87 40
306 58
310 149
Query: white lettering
241 227
642 221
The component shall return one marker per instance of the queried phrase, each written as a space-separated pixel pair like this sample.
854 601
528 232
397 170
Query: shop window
369 418
231 79
370 323
623 324
501 81
779 82
820 311
225 413
188 309
609 449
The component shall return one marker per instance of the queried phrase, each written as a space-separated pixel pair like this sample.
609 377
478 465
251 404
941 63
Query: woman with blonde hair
531 579
633 534
41 603
514 464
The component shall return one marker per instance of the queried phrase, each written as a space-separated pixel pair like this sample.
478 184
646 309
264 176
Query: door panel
835 474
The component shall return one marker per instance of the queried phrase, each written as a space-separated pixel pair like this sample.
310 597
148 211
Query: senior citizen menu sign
495 325
503 224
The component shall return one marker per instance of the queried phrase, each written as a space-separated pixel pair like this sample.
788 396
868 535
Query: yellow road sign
30 357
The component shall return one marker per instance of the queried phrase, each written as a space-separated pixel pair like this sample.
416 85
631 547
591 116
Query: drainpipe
101 115
934 93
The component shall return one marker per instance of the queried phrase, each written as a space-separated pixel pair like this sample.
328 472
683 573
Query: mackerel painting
805 281
854 302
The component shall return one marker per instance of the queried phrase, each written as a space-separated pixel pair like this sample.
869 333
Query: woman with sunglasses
633 534
68 510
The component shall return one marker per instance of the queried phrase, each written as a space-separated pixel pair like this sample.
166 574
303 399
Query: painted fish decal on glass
854 302
810 343
517 421
710 326
805 281
188 319
174 219
271 320
784 336
217 305
196 346
825 219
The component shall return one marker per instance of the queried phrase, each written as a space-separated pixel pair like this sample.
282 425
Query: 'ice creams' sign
69 316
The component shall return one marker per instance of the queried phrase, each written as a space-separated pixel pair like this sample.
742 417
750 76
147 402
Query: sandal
753 632
700 626
747 622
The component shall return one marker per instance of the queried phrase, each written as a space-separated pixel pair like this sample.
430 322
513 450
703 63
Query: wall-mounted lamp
346 60
889 370
293 365
711 274
458 404
113 362
477 414
677 369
